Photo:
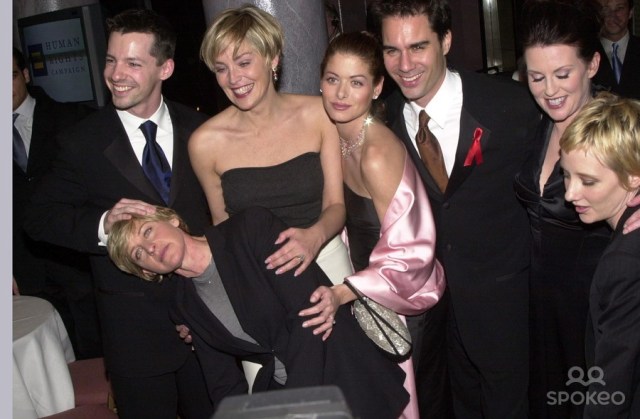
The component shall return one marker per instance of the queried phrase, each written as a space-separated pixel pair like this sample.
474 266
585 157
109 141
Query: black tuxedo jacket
613 338
49 119
629 85
94 169
482 230
267 307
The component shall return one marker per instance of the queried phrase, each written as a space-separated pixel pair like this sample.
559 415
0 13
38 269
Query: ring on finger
300 258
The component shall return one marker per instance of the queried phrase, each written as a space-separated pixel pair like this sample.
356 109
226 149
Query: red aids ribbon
475 151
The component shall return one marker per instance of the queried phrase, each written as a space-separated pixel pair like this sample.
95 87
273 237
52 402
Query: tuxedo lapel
121 155
631 63
468 126
180 162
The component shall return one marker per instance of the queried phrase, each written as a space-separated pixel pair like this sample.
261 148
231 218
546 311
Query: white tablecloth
41 350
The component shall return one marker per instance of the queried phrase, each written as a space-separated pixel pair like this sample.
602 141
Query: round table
41 350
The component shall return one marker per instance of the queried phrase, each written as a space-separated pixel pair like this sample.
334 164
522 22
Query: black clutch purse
383 326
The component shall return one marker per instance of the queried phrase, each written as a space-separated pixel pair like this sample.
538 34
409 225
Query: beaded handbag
382 325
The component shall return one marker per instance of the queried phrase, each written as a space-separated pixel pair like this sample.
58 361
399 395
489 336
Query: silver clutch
383 326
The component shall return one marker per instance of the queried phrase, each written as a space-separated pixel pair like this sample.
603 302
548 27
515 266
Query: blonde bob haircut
609 128
235 26
123 230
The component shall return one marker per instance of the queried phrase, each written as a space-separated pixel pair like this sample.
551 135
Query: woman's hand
632 222
301 248
325 310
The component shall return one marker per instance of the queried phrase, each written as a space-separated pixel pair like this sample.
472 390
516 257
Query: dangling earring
320 90
274 74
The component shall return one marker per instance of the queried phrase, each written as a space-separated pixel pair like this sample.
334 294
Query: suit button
445 205
448 247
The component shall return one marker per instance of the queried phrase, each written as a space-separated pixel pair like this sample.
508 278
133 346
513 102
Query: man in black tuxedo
616 15
484 128
98 177
59 275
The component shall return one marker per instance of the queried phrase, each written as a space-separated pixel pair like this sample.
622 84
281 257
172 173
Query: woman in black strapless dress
270 149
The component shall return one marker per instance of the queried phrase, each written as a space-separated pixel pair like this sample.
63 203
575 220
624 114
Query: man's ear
167 69
26 75
446 43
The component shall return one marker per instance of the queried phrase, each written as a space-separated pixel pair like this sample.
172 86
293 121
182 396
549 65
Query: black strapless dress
291 190
564 255
363 228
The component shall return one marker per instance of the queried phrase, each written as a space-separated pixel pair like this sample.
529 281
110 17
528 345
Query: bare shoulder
382 152
214 132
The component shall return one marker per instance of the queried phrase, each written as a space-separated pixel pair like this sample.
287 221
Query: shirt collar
622 43
437 107
27 107
132 123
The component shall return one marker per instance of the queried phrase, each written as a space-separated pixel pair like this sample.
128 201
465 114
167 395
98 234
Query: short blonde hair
234 26
121 232
609 128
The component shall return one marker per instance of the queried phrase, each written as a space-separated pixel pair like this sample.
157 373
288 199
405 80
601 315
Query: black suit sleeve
617 345
60 211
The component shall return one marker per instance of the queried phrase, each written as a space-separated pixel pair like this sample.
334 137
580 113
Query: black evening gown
363 228
564 255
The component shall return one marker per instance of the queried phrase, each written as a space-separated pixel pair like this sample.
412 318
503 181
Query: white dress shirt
444 110
24 121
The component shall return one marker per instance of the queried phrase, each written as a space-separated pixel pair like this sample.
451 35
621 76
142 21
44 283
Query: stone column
305 38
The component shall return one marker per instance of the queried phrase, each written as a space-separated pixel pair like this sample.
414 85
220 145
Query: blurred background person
601 164
59 275
270 149
620 73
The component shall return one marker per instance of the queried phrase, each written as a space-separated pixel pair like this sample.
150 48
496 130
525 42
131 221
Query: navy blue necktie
154 162
19 151
615 62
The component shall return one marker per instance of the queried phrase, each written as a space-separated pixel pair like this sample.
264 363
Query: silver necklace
347 147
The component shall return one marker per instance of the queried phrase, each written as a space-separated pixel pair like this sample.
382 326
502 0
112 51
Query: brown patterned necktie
430 152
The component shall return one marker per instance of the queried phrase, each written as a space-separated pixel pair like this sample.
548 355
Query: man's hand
15 289
123 210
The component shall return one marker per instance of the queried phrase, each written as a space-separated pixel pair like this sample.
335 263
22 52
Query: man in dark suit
484 129
54 273
625 61
99 177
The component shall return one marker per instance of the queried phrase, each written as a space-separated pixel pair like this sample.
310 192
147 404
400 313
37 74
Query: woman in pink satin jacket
389 220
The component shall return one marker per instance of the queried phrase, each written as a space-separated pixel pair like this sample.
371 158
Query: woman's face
157 246
245 77
559 80
347 88
593 188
